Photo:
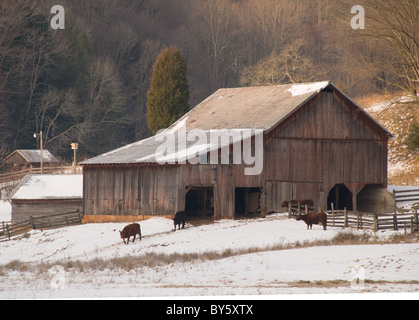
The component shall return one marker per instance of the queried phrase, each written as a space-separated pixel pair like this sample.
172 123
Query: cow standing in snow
313 218
130 230
180 218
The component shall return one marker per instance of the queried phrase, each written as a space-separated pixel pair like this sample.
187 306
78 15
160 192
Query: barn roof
233 109
33 156
51 187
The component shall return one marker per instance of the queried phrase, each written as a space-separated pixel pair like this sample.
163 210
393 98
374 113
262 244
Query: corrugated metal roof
250 107
227 109
42 187
34 156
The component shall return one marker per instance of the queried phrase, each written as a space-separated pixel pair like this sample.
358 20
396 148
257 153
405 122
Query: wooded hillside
88 83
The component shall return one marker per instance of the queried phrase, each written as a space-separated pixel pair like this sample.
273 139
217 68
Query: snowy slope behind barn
397 114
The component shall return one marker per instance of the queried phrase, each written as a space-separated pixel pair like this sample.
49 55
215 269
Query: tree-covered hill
88 83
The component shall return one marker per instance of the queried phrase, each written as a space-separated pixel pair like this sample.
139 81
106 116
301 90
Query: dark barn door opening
199 201
247 201
341 198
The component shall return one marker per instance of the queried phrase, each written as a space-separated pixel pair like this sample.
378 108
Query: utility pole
74 147
42 158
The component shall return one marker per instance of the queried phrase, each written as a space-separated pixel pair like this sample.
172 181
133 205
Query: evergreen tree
168 97
412 140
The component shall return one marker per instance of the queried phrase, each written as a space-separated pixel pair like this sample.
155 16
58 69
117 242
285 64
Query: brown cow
310 203
130 230
313 218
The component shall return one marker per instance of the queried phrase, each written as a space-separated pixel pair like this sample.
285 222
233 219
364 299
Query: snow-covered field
257 261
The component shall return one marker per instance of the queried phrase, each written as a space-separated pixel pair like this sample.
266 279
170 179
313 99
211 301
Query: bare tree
218 17
56 116
395 24
269 21
290 66
102 109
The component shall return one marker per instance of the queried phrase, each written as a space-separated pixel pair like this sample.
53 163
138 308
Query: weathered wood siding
23 209
328 141
323 144
158 190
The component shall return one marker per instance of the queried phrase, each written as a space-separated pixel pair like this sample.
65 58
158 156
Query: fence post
8 231
395 221
412 225
375 221
33 223
414 222
345 223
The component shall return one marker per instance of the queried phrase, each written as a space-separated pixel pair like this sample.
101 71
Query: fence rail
19 175
3 225
406 195
9 231
368 220
374 221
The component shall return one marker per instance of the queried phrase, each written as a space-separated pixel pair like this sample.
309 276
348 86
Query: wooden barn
42 195
316 143
25 159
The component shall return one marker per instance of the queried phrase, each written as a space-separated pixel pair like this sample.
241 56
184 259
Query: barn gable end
329 141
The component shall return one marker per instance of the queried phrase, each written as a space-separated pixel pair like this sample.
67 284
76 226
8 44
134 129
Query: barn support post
217 211
263 204
289 210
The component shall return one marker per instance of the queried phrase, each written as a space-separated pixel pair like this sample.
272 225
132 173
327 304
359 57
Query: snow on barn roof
42 187
235 109
34 156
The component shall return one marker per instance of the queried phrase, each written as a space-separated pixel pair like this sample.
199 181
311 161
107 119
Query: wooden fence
406 196
367 220
19 175
373 221
8 231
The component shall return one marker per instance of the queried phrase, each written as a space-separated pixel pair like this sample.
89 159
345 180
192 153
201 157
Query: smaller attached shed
41 195
24 159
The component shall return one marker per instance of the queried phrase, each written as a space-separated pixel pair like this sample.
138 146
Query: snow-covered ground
321 269
5 211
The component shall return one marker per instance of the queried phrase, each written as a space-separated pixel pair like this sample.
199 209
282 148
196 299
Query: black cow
179 219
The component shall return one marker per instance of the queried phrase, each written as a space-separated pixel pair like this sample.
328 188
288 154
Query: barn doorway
247 201
341 198
199 202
